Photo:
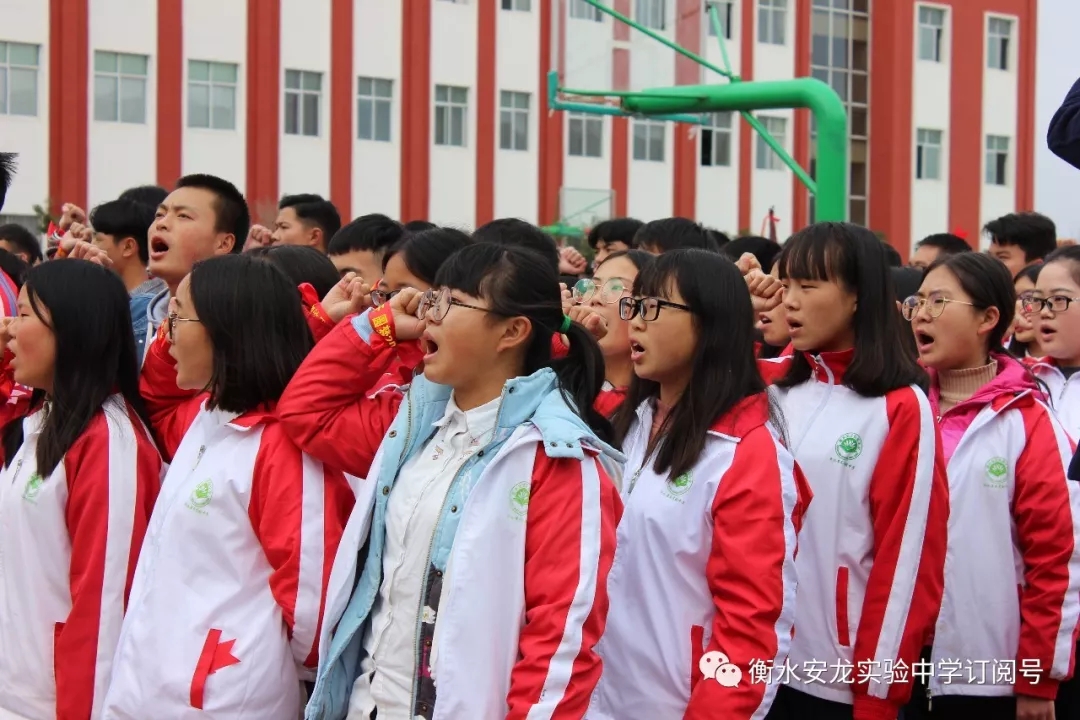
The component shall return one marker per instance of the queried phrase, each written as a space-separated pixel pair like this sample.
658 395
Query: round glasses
610 291
172 319
378 297
1056 303
436 303
935 305
648 308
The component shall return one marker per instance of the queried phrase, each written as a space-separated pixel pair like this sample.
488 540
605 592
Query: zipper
198 458
634 479
820 407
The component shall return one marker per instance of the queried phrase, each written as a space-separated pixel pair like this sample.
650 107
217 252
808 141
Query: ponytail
581 377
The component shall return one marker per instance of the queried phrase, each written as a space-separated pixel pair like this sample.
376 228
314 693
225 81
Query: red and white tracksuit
872 547
1064 392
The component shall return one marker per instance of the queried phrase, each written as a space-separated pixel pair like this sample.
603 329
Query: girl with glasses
872 548
80 477
1054 309
706 543
487 516
228 595
1014 520
1024 341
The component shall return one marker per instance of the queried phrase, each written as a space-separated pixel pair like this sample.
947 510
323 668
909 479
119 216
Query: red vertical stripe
416 92
746 133
170 80
1025 125
264 102
551 124
687 72
487 42
966 141
620 127
69 82
800 195
341 105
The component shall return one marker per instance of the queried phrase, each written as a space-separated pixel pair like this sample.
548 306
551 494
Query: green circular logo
33 487
519 496
202 494
849 446
681 485
997 468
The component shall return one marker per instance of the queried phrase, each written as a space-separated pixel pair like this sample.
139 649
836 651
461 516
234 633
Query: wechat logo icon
714 665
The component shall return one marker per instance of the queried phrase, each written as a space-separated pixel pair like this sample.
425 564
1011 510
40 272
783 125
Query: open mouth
764 319
636 351
429 346
924 341
158 246
1046 334
794 327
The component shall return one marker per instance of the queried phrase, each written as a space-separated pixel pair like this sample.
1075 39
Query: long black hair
854 257
723 369
425 251
302 263
251 311
86 307
518 282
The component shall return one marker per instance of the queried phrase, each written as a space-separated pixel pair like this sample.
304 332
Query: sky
1057 184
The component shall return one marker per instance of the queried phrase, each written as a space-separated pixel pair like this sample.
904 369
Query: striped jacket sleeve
751 572
298 510
1046 510
113 477
171 409
569 547
909 510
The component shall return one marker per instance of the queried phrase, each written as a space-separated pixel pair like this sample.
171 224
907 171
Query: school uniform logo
679 486
997 473
519 500
201 497
33 488
847 449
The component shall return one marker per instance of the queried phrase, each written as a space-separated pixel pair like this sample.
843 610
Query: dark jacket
1064 134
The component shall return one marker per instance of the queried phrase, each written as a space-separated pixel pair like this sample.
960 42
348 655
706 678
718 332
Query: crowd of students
400 471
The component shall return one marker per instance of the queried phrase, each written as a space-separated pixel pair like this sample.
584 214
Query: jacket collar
748 414
830 363
1012 381
241 421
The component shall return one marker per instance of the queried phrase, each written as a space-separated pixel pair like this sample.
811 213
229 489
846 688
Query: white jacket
1064 392
703 563
68 544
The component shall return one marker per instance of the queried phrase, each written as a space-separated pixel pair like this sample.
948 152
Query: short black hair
892 255
374 233
314 210
125 219
614 230
762 248
906 282
231 209
424 252
720 238
946 243
23 239
673 233
152 195
518 233
303 264
14 267
1032 232
415 226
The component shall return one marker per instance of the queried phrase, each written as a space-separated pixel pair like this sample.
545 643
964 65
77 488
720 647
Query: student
1025 340
612 236
1014 520
518 233
359 246
20 242
227 599
415 260
1055 312
763 249
932 247
1021 239
302 264
660 236
706 545
863 432
80 478
306 220
486 505
772 325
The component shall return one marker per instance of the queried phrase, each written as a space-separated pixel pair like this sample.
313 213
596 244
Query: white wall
304 165
217 31
453 62
28 21
122 155
1000 112
376 166
517 172
932 82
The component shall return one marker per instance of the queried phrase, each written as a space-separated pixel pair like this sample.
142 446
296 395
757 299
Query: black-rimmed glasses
648 308
1056 303
438 303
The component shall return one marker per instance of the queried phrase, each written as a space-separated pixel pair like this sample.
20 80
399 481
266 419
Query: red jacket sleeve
326 408
171 409
909 508
298 510
107 513
318 321
1046 510
755 516
573 506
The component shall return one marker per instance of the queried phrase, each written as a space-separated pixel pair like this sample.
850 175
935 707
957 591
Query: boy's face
14 250
291 230
365 263
184 233
607 247
1011 256
119 251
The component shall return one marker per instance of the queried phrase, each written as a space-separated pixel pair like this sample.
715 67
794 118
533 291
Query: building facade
437 109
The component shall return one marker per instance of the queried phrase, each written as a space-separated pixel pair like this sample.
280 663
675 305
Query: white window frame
588 129
726 9
581 10
720 135
997 147
18 68
375 100
999 43
931 36
517 5
219 86
765 158
124 78
772 22
929 151
651 13
450 110
301 92
652 136
514 108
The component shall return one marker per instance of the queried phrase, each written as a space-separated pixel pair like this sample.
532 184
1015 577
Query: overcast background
1057 184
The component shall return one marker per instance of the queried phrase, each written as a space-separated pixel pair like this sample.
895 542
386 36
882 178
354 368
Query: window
513 120
211 95
451 108
18 78
120 87
928 155
303 91
373 98
772 22
522 5
766 158
650 13
584 11
649 140
931 31
997 49
997 160
724 8
716 141
586 135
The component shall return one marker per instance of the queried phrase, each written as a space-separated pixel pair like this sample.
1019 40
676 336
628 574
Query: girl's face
614 280
1023 326
189 342
33 345
1059 332
957 338
662 349
820 315
773 324
397 276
